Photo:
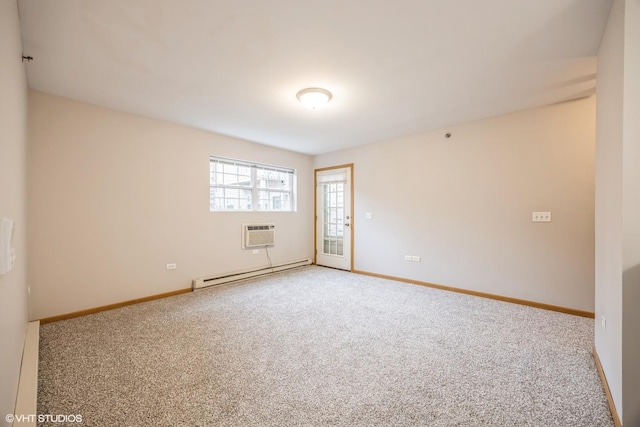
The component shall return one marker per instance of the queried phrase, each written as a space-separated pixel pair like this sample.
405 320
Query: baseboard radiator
205 282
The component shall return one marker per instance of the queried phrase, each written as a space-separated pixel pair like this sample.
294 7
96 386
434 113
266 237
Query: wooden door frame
315 210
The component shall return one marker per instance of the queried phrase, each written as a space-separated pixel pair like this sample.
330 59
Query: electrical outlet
407 257
604 323
541 216
415 258
368 215
256 251
171 266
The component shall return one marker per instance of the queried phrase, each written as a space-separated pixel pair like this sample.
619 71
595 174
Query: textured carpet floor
321 347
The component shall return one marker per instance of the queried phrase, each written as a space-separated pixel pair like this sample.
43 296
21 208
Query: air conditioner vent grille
260 227
258 235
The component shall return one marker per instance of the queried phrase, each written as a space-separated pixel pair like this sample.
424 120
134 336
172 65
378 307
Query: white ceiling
394 67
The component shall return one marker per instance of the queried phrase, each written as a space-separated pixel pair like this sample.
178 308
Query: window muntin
237 185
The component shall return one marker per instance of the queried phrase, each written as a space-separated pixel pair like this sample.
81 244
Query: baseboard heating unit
27 398
205 282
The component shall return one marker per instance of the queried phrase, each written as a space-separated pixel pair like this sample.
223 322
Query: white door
333 218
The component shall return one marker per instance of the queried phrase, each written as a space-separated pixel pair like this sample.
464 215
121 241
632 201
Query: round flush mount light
314 98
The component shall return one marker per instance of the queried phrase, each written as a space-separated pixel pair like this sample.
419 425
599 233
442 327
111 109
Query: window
236 185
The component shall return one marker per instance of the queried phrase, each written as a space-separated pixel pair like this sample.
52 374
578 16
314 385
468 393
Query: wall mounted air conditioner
258 235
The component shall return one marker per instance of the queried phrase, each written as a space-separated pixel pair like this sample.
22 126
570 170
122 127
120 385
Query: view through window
237 185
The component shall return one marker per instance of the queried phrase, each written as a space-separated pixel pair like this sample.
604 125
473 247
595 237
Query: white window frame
253 185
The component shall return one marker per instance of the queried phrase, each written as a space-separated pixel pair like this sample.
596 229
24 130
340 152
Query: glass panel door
333 218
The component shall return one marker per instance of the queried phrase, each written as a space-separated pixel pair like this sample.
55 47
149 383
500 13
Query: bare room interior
450 236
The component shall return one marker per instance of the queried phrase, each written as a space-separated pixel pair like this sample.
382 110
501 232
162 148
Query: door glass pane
333 218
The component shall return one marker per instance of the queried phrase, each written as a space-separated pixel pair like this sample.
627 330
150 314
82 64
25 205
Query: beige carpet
322 347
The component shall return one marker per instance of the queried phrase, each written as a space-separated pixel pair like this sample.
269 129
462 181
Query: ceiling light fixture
314 98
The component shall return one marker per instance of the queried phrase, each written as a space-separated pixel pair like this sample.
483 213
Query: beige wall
631 217
618 208
608 201
114 197
464 205
13 143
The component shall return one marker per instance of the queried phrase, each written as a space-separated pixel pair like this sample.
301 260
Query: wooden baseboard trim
112 306
607 391
484 295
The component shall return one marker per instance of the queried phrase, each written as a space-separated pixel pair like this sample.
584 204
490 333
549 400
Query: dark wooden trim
484 295
112 306
315 210
607 391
